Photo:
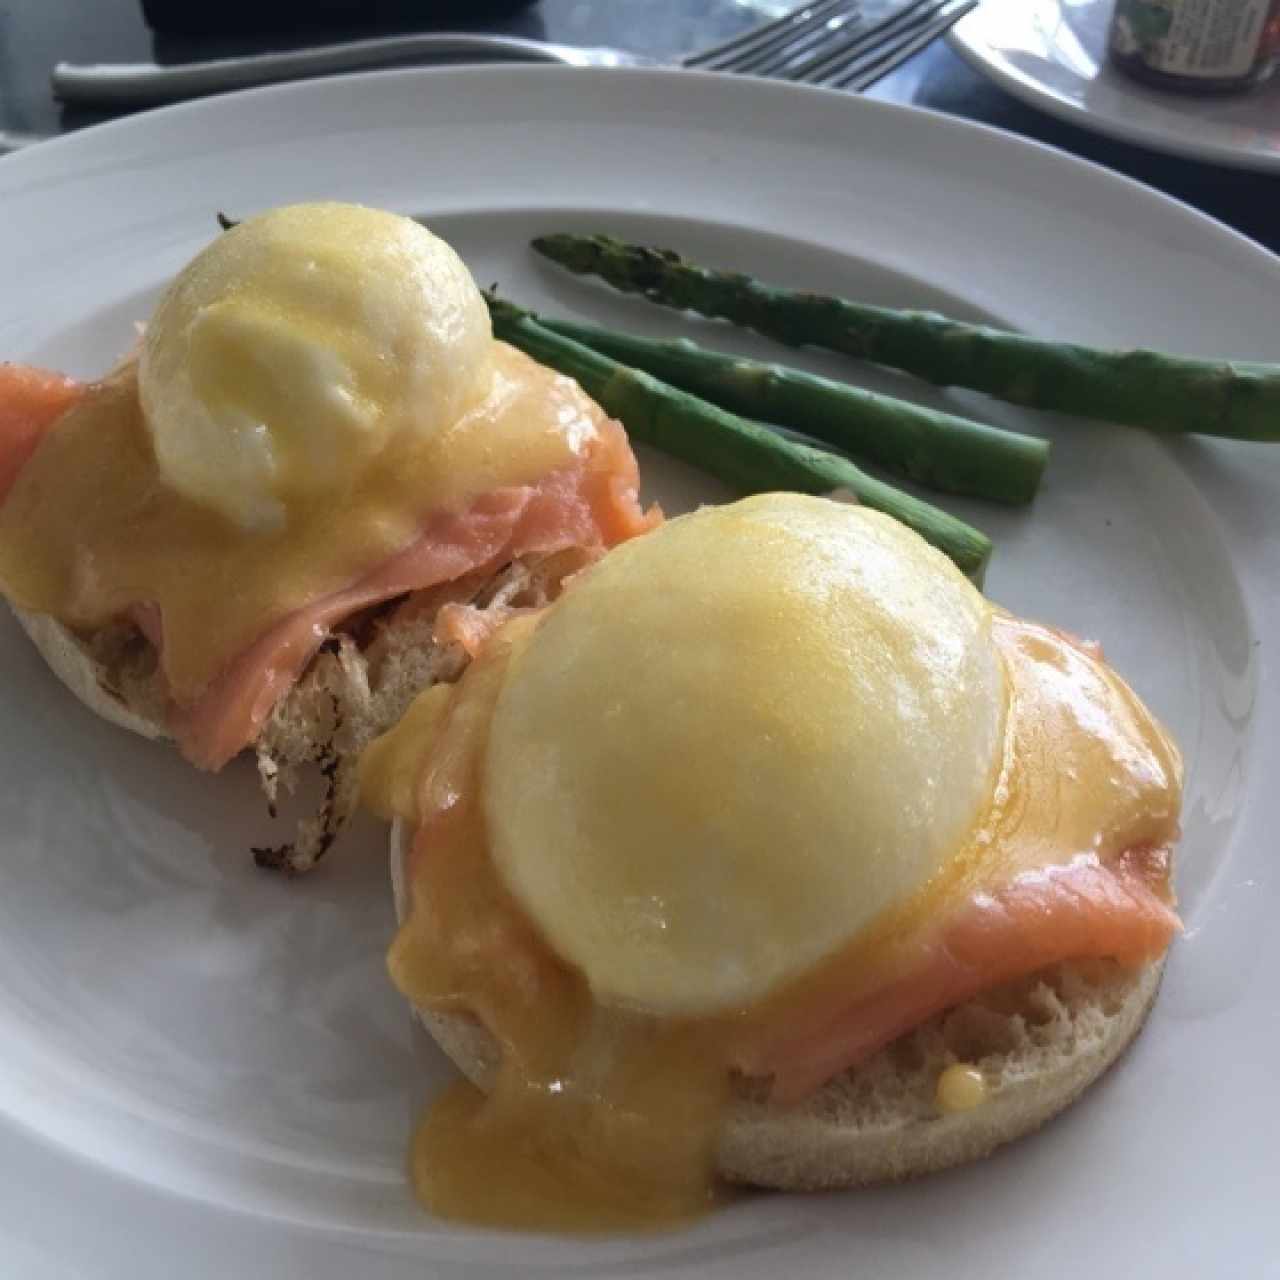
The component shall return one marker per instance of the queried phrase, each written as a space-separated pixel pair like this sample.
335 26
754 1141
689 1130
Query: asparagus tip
582 254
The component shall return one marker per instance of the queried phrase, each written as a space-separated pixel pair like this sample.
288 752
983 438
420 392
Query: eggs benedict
240 537
771 852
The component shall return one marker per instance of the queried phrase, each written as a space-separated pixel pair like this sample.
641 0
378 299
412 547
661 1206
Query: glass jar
1196 46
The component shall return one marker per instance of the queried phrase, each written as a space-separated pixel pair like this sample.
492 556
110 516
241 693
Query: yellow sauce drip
596 1119
89 528
600 1119
628 1146
960 1088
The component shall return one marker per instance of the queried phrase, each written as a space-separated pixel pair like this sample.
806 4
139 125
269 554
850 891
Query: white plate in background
205 1071
1053 55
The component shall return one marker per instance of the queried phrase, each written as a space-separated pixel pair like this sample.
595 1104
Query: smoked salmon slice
593 503
31 401
1079 910
590 504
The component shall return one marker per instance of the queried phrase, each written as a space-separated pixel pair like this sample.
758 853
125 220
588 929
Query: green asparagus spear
1136 388
940 450
745 454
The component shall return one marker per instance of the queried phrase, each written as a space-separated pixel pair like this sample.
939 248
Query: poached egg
853 670
289 354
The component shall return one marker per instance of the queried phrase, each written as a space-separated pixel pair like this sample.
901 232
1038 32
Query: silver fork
835 42
847 44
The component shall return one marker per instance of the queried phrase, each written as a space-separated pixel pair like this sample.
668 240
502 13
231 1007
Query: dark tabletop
34 34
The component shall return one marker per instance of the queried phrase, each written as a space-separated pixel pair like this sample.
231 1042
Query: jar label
1210 38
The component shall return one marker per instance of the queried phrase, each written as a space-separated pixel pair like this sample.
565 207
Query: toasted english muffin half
357 686
1039 1044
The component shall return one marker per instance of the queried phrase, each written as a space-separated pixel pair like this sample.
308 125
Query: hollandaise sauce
92 528
596 1119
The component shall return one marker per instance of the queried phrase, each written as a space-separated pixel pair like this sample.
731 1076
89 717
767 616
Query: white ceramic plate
1052 54
205 1072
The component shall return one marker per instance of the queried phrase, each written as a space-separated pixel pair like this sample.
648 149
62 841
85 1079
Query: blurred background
35 34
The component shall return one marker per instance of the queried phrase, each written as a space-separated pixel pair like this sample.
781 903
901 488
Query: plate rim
1252 255
141 122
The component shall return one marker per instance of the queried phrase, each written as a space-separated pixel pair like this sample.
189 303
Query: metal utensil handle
145 82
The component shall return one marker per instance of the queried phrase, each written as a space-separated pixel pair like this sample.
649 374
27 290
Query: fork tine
862 72
801 26
777 59
832 41
868 76
833 59
723 56
781 53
